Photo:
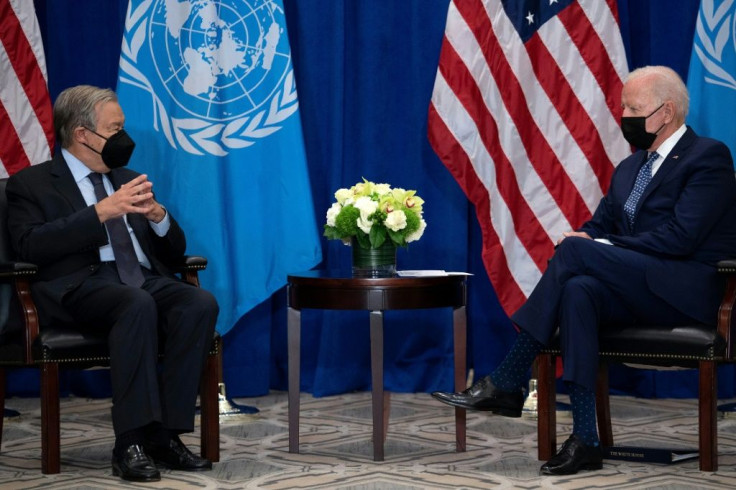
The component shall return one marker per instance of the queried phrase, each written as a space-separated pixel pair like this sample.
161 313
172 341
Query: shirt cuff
162 227
603 240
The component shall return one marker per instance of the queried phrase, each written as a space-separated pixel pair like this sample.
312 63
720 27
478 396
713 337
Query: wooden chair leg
2 403
50 433
546 407
603 406
210 407
707 416
386 413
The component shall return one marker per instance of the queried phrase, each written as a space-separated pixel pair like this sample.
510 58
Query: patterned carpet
336 448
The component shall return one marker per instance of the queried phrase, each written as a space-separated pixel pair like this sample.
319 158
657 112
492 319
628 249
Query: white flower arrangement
373 213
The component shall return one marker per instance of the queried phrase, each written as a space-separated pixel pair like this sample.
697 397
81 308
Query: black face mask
117 150
635 132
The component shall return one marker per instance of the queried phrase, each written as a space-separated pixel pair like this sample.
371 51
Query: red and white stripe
529 131
26 126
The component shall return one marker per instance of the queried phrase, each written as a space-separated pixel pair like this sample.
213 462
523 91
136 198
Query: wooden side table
333 290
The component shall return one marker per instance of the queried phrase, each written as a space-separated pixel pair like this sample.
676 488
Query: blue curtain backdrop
365 71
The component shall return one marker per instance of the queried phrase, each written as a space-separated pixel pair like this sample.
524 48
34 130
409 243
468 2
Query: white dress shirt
80 172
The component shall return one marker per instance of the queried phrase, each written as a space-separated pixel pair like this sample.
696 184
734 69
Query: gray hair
666 85
75 107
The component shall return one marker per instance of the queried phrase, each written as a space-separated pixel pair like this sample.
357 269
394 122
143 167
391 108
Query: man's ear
80 135
669 111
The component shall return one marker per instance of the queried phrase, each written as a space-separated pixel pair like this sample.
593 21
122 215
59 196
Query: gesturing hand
156 212
132 197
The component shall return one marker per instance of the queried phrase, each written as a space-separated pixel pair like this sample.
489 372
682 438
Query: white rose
367 207
417 234
342 195
395 220
365 225
332 213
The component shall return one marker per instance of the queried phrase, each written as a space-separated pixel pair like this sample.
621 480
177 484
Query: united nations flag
208 91
711 78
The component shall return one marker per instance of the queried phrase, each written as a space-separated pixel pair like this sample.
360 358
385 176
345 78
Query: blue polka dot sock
511 374
583 413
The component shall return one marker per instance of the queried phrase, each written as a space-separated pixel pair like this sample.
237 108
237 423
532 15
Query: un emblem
715 43
218 71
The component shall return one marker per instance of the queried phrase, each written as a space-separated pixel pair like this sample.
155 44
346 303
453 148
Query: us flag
26 126
525 114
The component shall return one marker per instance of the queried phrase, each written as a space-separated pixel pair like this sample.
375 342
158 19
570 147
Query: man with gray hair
668 217
101 242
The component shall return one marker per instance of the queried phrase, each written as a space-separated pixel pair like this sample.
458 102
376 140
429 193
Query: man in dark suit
668 217
102 243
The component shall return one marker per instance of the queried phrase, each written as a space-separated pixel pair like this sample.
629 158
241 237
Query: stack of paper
430 273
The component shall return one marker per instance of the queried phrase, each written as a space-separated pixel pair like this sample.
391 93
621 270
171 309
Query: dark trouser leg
585 304
129 317
187 321
186 317
586 285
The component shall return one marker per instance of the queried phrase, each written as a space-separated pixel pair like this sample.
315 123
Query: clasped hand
580 234
132 197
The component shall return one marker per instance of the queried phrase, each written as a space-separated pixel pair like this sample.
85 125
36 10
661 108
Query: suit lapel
665 170
65 183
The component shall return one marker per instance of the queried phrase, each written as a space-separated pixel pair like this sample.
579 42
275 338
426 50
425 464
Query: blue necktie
642 181
126 261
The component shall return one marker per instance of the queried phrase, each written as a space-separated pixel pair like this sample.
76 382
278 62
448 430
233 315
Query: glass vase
374 262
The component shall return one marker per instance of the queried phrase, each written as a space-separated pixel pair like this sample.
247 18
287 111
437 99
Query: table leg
386 413
376 322
294 351
460 339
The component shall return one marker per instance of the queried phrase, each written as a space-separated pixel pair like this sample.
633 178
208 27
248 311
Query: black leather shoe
572 457
177 456
133 464
484 396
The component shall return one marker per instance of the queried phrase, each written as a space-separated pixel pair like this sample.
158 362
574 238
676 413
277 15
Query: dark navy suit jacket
51 225
685 222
